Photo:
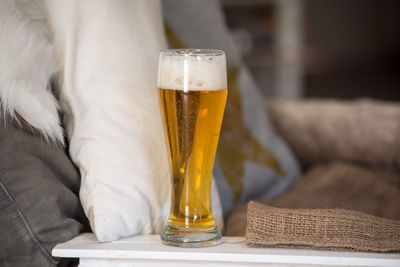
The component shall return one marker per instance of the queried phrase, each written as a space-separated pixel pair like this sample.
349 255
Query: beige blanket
365 132
351 153
335 185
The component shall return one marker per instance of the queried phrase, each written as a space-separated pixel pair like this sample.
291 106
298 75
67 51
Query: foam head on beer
192 70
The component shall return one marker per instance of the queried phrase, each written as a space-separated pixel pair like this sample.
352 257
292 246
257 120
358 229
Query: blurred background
326 49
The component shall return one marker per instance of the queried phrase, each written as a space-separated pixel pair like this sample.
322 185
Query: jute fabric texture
334 229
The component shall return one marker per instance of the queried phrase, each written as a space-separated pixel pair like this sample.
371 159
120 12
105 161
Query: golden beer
193 90
192 124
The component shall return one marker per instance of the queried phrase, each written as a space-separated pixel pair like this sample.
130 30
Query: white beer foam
192 72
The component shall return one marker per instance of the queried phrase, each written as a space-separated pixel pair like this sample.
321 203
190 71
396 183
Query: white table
147 250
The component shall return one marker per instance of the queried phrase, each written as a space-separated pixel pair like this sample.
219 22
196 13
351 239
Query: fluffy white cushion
108 56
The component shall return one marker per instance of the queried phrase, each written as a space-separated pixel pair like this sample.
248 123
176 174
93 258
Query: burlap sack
320 228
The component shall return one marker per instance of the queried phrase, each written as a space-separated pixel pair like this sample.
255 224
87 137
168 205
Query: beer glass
192 85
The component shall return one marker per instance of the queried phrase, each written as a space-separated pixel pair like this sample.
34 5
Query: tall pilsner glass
193 89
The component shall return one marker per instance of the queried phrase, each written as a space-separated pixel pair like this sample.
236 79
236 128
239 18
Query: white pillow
108 55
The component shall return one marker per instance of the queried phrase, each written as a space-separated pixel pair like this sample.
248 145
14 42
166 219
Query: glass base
191 238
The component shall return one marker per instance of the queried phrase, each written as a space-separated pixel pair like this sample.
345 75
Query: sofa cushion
252 161
112 112
39 206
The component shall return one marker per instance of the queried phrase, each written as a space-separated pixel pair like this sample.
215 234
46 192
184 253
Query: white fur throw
106 53
27 64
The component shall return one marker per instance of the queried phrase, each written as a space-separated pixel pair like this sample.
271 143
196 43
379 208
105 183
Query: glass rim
192 52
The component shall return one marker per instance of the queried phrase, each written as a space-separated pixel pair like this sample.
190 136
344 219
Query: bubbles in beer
208 65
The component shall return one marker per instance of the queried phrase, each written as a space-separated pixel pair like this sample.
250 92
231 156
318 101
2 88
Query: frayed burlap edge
333 229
